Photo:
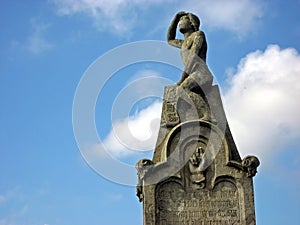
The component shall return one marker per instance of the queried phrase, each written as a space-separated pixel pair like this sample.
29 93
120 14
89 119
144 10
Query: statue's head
195 21
189 21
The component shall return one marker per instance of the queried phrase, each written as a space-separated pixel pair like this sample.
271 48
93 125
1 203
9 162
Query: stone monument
196 176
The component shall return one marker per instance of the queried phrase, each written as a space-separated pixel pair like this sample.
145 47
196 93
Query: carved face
185 24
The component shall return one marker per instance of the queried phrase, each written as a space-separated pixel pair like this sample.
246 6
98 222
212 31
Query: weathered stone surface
220 206
196 176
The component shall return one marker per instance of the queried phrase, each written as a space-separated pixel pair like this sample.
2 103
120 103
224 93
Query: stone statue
196 175
193 47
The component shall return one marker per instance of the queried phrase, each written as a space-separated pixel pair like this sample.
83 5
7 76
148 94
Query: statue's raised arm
171 36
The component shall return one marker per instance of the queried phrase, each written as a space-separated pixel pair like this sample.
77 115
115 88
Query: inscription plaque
216 207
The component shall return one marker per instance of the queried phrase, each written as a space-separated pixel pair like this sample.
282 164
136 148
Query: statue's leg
184 75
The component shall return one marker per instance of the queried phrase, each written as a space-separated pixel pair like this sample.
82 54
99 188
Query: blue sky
46 50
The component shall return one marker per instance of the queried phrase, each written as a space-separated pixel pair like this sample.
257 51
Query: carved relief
170 113
250 164
142 167
197 174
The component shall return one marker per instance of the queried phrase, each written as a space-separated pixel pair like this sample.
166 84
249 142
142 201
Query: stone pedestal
196 176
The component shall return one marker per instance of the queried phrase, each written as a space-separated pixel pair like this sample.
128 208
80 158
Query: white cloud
136 133
36 42
144 87
239 16
262 102
135 116
121 16
118 15
14 202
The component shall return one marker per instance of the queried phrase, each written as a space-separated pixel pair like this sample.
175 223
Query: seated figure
193 50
